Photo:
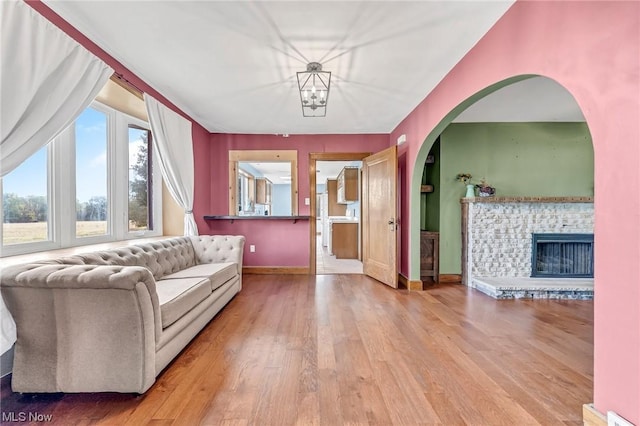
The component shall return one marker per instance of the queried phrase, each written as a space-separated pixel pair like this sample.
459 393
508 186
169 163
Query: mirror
263 183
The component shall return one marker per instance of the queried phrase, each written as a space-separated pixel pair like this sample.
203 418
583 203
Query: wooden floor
345 349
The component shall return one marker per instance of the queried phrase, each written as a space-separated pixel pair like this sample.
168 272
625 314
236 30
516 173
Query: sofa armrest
219 249
82 328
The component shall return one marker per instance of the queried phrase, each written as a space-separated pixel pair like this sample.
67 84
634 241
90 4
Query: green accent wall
518 159
431 201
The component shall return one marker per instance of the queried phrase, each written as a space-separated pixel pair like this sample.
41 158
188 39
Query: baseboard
592 417
450 278
276 270
405 282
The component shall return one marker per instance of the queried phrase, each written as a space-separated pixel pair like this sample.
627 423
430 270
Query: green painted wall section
431 208
518 159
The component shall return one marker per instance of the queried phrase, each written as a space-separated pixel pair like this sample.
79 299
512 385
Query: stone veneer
499 230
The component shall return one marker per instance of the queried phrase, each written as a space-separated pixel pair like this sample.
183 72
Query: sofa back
159 257
219 249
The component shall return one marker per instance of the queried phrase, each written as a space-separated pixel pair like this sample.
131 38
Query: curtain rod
126 84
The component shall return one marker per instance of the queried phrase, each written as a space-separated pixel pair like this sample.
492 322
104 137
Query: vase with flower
466 179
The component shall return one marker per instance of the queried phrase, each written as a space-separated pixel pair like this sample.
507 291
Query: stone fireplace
498 232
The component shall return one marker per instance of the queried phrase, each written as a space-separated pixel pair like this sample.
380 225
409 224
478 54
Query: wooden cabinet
263 191
344 240
429 256
348 185
334 209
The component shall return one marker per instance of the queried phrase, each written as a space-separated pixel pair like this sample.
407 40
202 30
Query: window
93 183
140 180
25 201
92 201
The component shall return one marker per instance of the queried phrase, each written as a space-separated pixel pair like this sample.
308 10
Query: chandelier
314 90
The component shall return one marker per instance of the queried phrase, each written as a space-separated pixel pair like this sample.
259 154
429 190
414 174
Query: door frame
322 156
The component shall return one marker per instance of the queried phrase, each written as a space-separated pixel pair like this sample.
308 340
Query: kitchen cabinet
344 240
263 190
334 208
348 185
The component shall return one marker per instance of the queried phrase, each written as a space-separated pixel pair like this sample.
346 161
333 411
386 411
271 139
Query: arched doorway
530 141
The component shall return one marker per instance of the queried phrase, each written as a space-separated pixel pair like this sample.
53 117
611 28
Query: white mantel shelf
577 199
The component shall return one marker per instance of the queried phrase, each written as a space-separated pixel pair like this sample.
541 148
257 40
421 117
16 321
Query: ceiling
331 169
536 99
279 173
231 65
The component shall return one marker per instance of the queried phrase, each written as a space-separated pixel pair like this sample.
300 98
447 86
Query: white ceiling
536 99
331 169
279 173
231 65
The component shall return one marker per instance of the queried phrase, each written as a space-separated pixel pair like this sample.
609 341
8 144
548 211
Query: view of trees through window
25 201
91 174
27 191
140 203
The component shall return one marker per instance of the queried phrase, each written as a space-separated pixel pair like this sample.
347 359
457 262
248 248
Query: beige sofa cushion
178 296
217 273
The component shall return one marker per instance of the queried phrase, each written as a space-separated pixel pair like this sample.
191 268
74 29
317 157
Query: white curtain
171 136
46 80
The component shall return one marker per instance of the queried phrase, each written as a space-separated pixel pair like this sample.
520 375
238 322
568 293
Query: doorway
338 224
336 243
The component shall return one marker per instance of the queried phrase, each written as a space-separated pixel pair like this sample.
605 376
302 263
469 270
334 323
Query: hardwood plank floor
345 349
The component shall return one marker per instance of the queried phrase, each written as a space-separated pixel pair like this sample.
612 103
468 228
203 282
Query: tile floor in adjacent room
327 264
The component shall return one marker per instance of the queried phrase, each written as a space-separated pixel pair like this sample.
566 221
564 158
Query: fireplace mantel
527 200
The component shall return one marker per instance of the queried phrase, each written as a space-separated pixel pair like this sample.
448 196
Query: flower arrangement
484 189
464 178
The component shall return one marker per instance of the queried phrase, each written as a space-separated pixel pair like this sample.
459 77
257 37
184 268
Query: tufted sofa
113 320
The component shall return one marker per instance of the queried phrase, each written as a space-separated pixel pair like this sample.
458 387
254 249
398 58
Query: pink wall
593 50
278 243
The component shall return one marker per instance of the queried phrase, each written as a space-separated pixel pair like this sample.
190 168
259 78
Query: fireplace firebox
562 255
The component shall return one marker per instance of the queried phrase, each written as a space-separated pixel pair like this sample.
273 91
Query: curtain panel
173 142
46 80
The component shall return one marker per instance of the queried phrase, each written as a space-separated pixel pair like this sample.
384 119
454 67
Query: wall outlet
614 419
307 201
252 248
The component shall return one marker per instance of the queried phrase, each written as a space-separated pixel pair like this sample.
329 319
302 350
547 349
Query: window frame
156 182
61 189
51 243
